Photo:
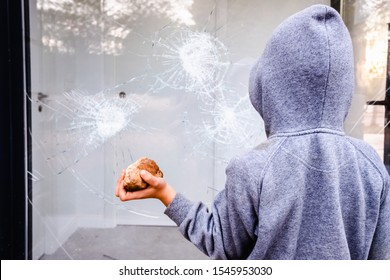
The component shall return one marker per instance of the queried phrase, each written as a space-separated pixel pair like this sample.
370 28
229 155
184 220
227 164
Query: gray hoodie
309 191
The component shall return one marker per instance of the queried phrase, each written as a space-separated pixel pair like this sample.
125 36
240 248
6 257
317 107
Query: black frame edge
336 4
15 231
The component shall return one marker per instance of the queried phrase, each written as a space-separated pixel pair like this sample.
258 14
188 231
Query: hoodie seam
375 166
266 166
307 131
311 167
329 62
262 175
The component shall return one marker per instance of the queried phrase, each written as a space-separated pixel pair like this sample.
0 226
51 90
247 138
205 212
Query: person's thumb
148 178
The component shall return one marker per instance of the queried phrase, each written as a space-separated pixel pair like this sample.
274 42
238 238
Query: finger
122 176
117 188
150 179
122 193
119 184
141 194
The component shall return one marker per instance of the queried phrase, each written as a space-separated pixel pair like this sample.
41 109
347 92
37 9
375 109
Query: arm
380 247
228 231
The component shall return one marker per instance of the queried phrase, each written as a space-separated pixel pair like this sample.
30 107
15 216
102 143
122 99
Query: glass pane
368 22
113 81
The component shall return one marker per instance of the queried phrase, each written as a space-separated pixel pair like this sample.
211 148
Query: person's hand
158 189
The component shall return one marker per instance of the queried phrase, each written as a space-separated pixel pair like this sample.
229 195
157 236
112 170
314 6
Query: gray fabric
309 191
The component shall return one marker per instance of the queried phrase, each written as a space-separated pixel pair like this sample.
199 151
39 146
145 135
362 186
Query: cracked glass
113 81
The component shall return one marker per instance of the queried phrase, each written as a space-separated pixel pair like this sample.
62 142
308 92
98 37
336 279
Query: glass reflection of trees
103 25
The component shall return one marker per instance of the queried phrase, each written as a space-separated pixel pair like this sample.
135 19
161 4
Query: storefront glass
113 81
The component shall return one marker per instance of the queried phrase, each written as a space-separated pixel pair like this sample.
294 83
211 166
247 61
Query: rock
133 181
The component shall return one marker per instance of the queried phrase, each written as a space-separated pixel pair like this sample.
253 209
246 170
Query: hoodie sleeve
380 247
228 231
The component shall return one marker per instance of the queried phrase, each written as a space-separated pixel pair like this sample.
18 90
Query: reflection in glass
103 25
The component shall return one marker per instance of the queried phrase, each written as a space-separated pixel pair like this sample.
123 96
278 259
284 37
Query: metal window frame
15 142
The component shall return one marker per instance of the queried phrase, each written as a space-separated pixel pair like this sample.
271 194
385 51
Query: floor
127 243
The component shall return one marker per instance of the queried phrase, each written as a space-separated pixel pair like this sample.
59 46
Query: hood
304 78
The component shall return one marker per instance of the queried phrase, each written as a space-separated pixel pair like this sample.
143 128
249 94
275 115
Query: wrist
167 195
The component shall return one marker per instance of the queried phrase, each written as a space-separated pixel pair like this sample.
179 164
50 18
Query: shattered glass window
116 80
368 22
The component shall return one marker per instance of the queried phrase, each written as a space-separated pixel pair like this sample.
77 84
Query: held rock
133 181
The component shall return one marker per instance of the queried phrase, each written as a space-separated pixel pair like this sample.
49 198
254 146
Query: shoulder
253 162
370 154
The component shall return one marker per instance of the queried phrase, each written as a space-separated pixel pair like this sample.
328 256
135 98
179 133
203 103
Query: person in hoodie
309 191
